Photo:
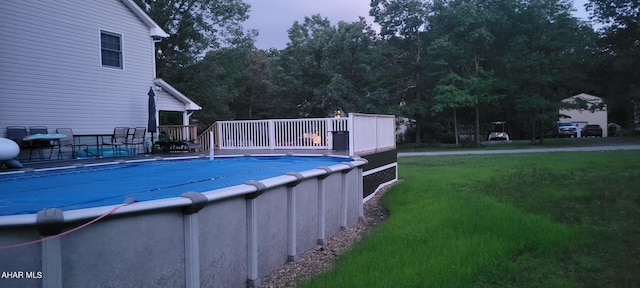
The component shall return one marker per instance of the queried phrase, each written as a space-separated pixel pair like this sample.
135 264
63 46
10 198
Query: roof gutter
155 31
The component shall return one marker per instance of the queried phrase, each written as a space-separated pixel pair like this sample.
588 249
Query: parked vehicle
592 130
567 129
499 132
614 130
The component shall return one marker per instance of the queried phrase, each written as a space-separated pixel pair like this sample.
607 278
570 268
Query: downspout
155 40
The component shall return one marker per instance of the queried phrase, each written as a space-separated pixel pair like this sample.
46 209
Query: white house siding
597 117
50 66
166 102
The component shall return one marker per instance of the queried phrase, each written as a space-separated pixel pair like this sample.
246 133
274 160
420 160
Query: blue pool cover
68 189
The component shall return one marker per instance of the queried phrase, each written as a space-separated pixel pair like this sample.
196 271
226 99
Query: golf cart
499 132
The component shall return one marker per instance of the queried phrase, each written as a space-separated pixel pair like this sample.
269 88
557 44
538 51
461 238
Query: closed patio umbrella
151 125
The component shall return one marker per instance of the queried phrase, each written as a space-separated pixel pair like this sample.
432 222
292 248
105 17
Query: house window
111 48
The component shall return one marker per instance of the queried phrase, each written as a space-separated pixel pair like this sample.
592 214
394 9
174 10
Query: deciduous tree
618 72
194 26
403 24
461 48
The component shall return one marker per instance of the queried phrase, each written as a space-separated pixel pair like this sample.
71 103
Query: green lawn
523 220
524 144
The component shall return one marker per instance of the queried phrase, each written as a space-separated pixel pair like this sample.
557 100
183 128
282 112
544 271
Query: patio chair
17 134
68 142
118 139
137 139
41 143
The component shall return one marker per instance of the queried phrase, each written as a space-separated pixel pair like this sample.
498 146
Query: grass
522 220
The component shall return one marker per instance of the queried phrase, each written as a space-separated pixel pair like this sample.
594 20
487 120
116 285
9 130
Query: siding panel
51 72
166 102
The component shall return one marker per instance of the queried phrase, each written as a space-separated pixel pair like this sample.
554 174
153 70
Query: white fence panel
386 132
371 133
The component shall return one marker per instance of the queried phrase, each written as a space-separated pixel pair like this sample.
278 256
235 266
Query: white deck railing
179 132
367 133
312 133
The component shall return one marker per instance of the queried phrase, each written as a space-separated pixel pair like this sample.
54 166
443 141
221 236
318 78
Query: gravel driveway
516 151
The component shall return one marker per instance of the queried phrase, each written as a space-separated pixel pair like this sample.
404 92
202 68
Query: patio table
97 138
43 137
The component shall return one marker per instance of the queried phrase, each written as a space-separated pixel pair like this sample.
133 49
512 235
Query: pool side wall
381 170
234 238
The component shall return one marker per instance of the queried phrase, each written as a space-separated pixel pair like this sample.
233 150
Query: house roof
584 97
585 102
155 30
188 103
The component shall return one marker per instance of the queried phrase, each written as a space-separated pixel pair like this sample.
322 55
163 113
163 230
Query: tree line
439 64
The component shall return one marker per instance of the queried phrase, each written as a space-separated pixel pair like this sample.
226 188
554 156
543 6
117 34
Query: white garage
595 112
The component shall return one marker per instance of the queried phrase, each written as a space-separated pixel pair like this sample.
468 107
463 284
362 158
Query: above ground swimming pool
197 223
112 184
